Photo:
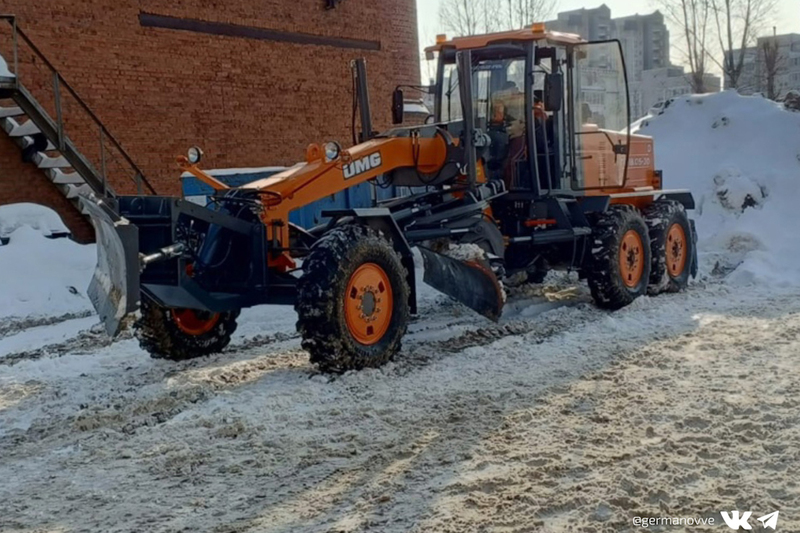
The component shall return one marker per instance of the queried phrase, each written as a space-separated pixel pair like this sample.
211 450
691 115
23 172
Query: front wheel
352 300
182 334
619 271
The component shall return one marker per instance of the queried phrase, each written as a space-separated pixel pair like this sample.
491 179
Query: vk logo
738 521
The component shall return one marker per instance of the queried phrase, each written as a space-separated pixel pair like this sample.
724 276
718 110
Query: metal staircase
39 123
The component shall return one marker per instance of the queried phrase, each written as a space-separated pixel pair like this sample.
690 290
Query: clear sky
787 17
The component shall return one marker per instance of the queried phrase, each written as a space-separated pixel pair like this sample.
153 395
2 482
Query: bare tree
470 17
693 18
737 24
521 13
773 63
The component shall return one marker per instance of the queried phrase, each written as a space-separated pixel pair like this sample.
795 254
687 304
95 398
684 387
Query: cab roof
472 42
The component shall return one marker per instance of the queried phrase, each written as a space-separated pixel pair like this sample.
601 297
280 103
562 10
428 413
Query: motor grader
527 158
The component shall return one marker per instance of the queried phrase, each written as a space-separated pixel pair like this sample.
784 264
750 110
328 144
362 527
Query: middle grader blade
470 283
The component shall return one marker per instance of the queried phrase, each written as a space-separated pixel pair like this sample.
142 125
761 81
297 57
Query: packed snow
562 417
740 156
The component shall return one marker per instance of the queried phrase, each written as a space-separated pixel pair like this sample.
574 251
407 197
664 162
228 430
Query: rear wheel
673 246
619 270
352 301
182 334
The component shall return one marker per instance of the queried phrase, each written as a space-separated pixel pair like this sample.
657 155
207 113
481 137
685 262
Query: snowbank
741 158
38 217
4 71
41 277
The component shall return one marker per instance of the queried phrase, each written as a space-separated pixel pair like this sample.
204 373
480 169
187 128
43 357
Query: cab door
600 117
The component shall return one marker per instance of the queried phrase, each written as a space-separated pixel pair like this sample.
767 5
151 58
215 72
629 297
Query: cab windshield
494 82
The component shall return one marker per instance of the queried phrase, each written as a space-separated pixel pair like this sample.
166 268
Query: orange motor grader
527 164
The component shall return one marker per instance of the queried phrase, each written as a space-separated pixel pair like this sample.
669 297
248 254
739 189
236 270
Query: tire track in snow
12 325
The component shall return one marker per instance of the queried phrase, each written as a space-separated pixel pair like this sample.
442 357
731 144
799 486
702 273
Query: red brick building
253 82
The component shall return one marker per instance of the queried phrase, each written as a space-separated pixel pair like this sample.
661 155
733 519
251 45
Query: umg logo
360 166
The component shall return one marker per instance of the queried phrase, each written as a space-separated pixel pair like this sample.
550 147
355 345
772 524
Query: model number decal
360 166
639 162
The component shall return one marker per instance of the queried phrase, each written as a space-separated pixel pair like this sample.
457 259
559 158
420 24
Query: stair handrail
58 82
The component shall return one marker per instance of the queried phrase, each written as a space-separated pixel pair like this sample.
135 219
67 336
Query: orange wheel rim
368 304
194 322
676 250
631 259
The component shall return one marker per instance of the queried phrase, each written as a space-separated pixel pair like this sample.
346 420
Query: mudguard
114 289
695 258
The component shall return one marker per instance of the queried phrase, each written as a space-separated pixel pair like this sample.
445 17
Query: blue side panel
194 187
307 217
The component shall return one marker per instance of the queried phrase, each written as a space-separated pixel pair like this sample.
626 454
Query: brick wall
247 102
22 182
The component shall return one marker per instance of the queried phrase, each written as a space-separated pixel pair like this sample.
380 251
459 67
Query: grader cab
526 165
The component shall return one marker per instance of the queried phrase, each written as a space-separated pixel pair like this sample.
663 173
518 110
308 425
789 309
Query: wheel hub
194 322
676 250
368 304
631 259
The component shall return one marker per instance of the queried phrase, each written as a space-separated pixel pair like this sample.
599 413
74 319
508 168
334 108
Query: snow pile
740 156
38 217
41 277
4 71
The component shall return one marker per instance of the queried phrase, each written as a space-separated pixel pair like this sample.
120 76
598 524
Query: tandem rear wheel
619 271
673 245
352 300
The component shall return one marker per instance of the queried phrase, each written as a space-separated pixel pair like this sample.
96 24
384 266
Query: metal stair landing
42 136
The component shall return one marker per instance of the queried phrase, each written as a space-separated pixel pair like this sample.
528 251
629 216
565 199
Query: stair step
15 129
73 191
59 177
44 161
6 112
26 141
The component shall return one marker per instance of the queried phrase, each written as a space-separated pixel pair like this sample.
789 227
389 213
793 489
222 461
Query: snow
38 217
41 277
740 156
255 439
4 71
43 336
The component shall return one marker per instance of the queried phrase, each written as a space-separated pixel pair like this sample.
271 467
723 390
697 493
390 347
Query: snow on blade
465 252
740 156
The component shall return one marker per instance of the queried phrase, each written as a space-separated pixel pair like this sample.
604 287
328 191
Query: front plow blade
470 283
114 290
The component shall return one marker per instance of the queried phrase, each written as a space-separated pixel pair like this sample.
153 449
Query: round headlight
332 151
195 155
